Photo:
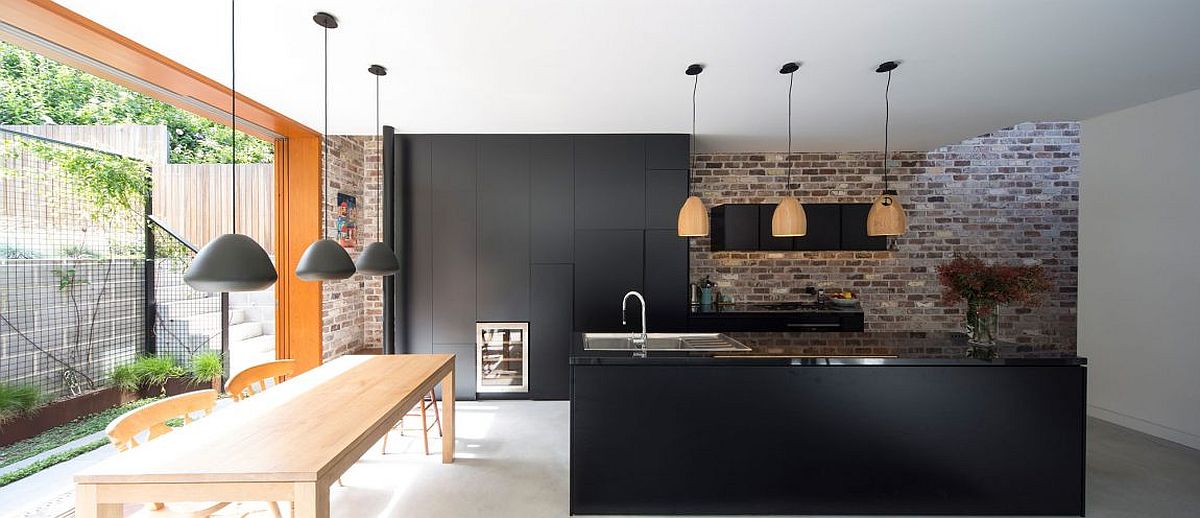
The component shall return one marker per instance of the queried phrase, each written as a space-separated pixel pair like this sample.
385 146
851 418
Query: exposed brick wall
342 318
1010 196
369 230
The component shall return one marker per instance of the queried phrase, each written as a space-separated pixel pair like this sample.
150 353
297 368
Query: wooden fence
194 199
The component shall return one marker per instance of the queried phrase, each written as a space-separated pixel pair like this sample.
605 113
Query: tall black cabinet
549 229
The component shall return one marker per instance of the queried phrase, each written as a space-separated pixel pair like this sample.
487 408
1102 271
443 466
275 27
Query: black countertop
840 349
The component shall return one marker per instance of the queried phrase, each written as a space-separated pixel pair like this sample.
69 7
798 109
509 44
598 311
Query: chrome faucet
637 339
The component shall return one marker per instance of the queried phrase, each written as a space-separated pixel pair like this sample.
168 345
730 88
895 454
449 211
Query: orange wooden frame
297 153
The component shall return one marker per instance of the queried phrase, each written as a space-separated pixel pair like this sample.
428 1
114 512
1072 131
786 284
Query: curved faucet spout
637 339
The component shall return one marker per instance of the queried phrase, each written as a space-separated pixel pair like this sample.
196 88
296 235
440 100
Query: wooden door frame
67 37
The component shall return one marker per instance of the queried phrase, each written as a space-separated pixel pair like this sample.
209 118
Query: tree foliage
36 90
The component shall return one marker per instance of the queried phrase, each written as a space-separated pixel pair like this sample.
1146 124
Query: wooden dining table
287 444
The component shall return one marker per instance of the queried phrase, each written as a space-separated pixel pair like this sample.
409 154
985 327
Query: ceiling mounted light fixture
789 219
231 262
693 216
886 217
325 259
378 258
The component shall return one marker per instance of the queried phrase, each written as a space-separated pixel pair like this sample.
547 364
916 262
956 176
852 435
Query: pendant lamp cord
887 116
791 79
379 140
695 87
233 104
325 148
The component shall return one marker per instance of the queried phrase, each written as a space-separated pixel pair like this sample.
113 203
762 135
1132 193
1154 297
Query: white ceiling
594 66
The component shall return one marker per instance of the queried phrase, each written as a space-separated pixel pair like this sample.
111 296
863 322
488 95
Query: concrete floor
512 462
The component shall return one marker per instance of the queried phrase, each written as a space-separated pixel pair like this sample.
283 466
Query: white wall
1139 266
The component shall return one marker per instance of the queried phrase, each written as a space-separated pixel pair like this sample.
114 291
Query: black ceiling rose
325 20
694 69
378 70
887 66
788 68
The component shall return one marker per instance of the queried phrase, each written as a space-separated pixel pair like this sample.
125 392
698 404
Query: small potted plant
147 373
985 286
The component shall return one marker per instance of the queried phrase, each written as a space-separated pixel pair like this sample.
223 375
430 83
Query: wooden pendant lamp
789 219
693 216
886 217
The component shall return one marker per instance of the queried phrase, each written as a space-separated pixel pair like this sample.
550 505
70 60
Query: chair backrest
124 430
254 379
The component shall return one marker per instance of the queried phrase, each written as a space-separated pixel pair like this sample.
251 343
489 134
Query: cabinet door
666 280
453 239
464 368
550 316
824 227
608 263
666 190
552 199
854 229
610 182
502 264
668 151
416 298
766 241
734 227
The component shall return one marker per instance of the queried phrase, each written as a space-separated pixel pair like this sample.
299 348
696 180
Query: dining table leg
448 417
87 504
311 500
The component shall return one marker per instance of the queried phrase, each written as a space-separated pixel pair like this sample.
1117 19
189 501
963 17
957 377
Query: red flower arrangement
969 278
984 286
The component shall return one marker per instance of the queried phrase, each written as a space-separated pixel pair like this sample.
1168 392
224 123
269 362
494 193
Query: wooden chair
426 402
254 379
152 420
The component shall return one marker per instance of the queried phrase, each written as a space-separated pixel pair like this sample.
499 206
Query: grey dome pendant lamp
231 262
886 217
693 215
789 219
378 258
325 259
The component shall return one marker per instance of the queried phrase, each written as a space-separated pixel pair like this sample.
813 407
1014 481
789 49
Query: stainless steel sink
694 342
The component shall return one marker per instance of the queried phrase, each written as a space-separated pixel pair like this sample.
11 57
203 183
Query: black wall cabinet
550 229
831 226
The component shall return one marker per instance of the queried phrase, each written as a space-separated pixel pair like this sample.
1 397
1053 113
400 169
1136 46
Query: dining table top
296 431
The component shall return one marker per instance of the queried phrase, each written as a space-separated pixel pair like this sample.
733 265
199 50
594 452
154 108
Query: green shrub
78 252
16 252
18 401
206 366
147 371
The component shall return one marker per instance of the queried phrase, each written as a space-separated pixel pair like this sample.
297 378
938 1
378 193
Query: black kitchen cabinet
766 241
610 182
552 199
666 280
854 229
668 151
464 368
734 226
824 228
666 190
503 237
416 296
550 315
608 263
453 239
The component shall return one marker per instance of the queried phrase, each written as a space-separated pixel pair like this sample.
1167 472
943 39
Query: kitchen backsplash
1010 196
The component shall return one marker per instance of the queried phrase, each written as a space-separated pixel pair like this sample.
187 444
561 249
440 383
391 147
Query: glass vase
983 322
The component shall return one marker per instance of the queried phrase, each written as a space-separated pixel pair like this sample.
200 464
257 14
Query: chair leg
275 509
437 419
424 427
383 450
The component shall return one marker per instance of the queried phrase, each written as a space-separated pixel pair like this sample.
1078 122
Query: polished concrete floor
512 462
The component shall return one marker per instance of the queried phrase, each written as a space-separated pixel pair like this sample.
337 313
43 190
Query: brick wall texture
1011 196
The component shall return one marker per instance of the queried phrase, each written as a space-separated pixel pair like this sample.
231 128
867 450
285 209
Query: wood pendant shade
693 218
886 217
789 219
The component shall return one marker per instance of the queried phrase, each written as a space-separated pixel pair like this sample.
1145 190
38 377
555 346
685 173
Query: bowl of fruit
843 298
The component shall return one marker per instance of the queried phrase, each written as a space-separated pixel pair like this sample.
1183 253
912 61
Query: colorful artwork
347 212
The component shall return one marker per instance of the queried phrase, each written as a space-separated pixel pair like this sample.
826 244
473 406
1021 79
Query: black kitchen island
789 428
